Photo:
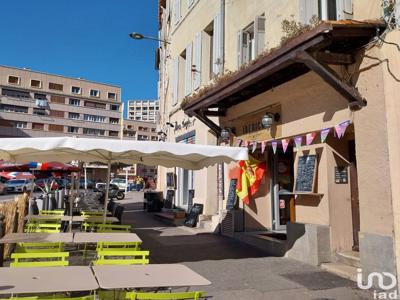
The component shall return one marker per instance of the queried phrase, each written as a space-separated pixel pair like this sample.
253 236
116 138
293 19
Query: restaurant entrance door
282 177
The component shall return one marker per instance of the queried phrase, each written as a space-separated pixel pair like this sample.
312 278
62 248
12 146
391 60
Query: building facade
143 110
35 104
329 93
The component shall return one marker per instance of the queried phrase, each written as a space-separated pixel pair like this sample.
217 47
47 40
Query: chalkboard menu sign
169 199
341 175
193 215
231 201
306 169
190 198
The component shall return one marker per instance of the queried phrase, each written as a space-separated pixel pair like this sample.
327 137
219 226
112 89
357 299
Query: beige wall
392 90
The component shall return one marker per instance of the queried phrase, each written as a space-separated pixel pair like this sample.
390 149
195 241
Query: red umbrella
17 175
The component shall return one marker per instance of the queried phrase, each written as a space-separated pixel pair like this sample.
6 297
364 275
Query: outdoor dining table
147 276
37 238
96 237
47 217
94 219
46 280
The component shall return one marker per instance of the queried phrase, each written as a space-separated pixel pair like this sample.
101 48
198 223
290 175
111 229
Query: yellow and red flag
250 175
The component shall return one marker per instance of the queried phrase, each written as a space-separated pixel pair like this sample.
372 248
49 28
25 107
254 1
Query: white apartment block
143 110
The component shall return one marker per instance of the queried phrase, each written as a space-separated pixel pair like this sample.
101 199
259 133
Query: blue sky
83 38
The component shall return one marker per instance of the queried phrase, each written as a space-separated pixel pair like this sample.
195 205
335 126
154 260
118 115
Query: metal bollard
2 232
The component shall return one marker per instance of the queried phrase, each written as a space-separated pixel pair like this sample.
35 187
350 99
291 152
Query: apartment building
140 130
36 104
286 92
143 110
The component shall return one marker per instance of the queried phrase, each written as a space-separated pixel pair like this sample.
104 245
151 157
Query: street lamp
139 36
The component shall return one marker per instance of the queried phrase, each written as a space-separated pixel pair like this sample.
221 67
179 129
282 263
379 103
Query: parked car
41 182
3 189
90 184
120 182
18 185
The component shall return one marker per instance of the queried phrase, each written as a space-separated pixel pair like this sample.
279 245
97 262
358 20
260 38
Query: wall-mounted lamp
139 36
225 135
269 119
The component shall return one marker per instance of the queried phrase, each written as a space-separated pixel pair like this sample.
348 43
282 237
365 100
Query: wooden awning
330 43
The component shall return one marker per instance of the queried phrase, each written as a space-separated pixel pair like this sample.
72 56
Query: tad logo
391 283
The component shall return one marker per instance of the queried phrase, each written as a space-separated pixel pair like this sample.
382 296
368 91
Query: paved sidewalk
237 270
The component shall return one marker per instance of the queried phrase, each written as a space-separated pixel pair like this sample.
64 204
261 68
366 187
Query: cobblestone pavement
236 270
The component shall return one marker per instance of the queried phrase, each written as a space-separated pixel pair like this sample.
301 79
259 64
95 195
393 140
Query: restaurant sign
250 128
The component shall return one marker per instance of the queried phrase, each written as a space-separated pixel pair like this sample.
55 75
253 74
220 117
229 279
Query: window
15 94
114 107
76 90
112 96
91 131
251 41
57 113
94 118
95 93
37 126
21 125
56 86
58 128
95 104
113 133
72 129
325 10
57 99
36 84
13 80
114 121
74 116
38 96
74 102
13 108
39 112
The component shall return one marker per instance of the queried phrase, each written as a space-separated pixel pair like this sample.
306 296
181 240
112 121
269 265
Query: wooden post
292 207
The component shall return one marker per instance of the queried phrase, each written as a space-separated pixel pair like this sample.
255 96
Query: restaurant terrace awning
330 43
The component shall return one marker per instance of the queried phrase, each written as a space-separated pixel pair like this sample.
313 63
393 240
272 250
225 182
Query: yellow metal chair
21 260
113 228
164 296
56 212
118 246
123 257
43 227
39 247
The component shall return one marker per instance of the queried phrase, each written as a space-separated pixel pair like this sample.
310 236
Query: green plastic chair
39 247
165 296
22 260
46 227
56 212
122 258
118 246
92 213
113 228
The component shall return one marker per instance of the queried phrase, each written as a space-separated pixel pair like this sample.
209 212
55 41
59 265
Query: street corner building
314 99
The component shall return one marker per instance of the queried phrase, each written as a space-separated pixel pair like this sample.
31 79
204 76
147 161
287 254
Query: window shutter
177 11
188 70
239 48
344 9
259 34
308 8
397 13
217 43
175 79
197 61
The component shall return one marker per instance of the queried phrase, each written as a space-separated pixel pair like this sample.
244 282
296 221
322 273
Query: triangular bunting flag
274 146
263 144
254 147
285 143
341 128
298 140
324 134
310 138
